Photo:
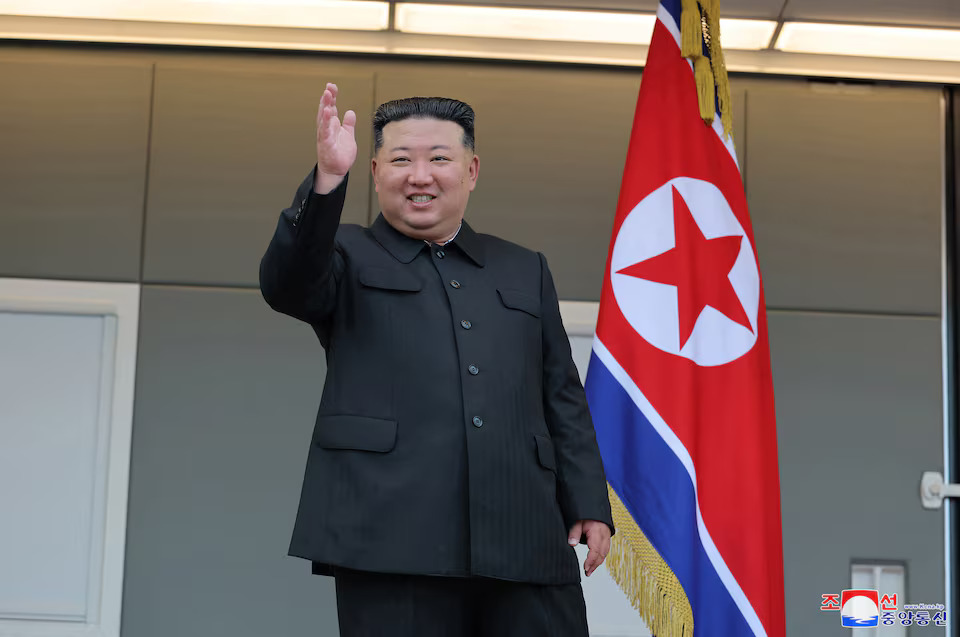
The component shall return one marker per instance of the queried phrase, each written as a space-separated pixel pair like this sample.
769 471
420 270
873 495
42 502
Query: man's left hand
598 542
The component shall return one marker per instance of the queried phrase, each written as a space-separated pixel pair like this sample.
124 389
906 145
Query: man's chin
422 221
419 225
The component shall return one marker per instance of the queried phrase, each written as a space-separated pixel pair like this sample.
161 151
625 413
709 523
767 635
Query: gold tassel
691 31
699 27
705 88
719 67
650 585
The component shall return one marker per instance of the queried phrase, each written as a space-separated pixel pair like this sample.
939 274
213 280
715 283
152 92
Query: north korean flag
679 382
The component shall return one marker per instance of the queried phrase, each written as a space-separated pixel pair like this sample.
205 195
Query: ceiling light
549 24
736 33
852 39
527 24
311 14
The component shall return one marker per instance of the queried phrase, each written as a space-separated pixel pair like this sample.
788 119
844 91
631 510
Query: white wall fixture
888 579
67 362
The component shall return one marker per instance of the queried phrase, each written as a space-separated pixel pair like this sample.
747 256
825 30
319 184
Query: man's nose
422 173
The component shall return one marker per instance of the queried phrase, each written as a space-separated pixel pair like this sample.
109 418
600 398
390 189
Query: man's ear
373 171
473 172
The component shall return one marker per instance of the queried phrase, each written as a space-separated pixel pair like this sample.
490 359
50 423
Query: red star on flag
698 267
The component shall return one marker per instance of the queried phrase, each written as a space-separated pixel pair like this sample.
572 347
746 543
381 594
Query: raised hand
336 142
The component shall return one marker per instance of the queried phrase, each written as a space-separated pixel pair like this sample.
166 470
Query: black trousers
382 605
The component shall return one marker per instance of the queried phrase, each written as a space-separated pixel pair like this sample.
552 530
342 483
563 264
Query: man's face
424 176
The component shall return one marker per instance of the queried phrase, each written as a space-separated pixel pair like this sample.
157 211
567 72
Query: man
453 464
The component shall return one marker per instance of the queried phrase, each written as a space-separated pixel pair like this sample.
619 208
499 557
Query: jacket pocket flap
545 453
520 301
389 280
359 433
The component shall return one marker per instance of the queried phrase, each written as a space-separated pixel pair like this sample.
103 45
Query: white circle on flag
652 308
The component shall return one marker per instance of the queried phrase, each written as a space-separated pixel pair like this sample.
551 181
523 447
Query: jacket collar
405 249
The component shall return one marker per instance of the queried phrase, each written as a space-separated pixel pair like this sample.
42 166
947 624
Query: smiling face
424 175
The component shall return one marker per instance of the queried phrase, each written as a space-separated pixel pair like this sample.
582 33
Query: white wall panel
67 355
50 386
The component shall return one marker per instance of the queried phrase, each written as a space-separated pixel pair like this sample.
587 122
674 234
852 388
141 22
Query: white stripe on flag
664 16
665 432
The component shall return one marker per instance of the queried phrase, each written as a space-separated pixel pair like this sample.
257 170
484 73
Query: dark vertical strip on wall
952 230
146 180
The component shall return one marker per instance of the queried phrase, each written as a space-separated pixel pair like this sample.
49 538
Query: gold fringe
650 585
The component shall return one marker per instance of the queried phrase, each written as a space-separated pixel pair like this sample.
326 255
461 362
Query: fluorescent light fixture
746 35
560 25
525 24
873 41
311 14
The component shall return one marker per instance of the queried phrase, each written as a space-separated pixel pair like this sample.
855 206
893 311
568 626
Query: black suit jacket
453 435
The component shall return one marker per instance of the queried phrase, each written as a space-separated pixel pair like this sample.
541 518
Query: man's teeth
421 198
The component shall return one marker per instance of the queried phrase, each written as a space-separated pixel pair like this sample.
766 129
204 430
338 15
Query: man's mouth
421 198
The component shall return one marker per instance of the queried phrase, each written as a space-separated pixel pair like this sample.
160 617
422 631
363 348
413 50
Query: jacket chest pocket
517 300
389 280
387 308
520 334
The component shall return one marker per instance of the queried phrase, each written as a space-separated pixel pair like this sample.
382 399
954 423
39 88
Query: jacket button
466 325
473 369
455 284
440 254
477 421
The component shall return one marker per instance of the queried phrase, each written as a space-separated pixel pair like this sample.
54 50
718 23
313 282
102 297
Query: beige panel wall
845 190
73 154
843 183
232 138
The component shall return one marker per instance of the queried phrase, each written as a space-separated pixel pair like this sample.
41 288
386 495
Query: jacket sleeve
302 267
582 482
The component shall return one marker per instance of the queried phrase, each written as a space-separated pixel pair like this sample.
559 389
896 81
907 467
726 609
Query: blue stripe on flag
658 493
673 8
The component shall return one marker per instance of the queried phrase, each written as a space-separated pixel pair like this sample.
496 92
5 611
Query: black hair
442 108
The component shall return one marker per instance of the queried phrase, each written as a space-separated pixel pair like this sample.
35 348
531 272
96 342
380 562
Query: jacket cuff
318 215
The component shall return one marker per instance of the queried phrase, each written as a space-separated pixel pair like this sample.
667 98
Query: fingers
327 109
573 537
598 543
336 141
593 561
330 94
350 121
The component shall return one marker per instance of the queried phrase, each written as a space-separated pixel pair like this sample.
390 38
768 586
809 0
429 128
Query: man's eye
441 158
398 159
